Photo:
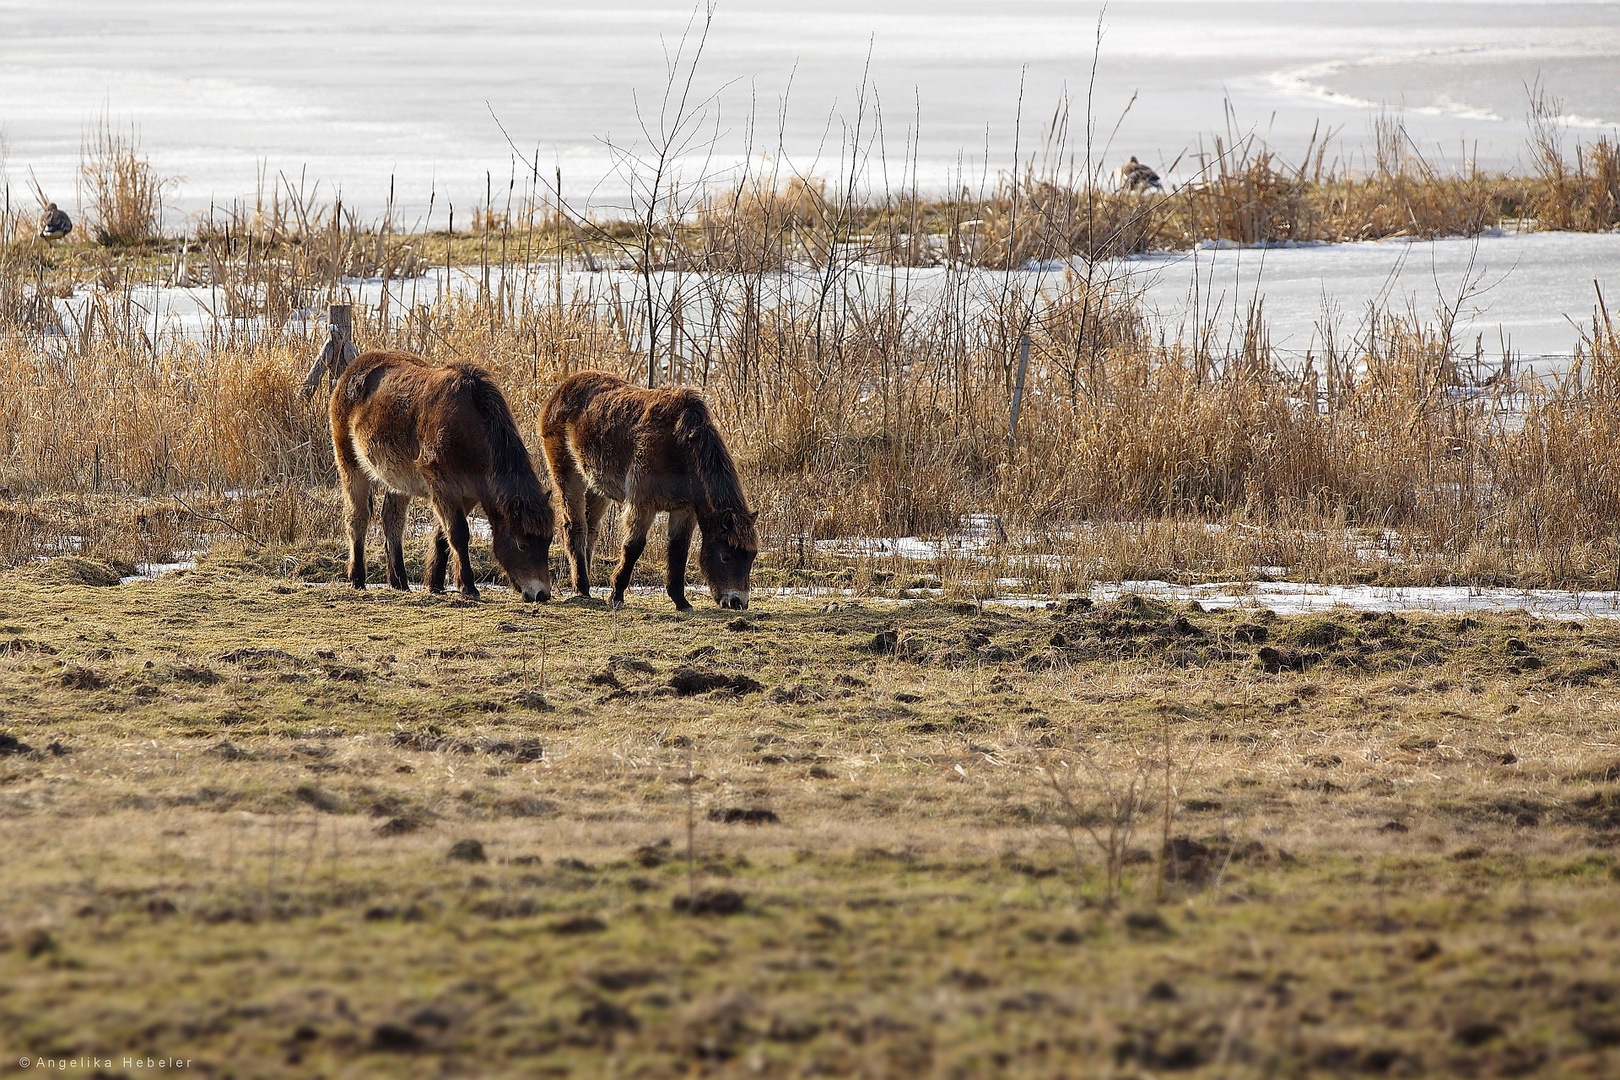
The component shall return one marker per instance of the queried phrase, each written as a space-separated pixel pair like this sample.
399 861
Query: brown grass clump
124 192
1578 196
761 227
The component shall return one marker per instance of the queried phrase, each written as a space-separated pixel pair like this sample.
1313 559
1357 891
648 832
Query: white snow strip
1282 597
1295 598
151 571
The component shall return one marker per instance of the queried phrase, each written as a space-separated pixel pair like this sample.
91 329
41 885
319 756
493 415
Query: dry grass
1579 195
857 404
123 191
859 417
229 841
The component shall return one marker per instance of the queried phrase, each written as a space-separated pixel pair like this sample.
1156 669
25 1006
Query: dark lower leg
460 536
572 486
393 529
680 544
438 560
636 524
579 555
627 565
594 506
359 519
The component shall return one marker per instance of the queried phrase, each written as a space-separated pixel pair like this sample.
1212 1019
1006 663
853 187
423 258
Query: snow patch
151 571
1296 598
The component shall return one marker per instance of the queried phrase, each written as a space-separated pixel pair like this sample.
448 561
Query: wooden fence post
338 352
1018 386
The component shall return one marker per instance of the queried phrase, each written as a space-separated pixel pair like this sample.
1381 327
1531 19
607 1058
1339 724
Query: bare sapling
1106 802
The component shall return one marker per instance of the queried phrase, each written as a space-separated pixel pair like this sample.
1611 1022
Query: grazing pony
656 451
443 433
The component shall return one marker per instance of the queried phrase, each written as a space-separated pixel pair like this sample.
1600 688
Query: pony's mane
521 496
716 472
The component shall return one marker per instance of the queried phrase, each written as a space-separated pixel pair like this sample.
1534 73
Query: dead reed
123 191
860 416
860 399
1578 191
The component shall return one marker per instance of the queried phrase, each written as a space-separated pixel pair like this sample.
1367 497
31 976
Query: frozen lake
1283 597
227 91
1529 293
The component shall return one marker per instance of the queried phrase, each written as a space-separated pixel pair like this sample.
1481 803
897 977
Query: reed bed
859 403
289 245
859 416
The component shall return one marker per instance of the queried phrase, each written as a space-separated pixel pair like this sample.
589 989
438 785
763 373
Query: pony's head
522 544
727 556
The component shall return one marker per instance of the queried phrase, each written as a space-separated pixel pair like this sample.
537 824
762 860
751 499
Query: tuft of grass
124 191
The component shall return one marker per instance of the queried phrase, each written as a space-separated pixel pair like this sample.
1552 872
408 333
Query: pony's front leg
454 522
357 506
438 560
681 524
637 520
393 530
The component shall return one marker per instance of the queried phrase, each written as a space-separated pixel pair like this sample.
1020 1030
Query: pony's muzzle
734 600
536 593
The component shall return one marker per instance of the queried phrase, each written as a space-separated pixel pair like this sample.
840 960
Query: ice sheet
1283 597
229 90
1292 598
1531 294
1528 293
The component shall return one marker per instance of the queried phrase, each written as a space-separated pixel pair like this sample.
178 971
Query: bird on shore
55 223
1135 176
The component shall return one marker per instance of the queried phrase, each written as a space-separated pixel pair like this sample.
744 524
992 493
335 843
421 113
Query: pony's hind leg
438 560
595 506
576 516
637 520
681 524
393 530
357 508
453 521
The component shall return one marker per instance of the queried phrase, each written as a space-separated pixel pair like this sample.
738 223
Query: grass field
841 838
255 824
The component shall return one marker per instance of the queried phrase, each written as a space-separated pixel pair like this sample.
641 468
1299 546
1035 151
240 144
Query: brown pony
656 451
443 433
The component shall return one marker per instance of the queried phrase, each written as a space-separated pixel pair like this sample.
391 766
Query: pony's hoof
682 605
469 594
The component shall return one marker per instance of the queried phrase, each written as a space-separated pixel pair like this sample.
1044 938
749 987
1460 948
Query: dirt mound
77 570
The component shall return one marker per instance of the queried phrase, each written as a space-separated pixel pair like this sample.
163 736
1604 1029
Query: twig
210 517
